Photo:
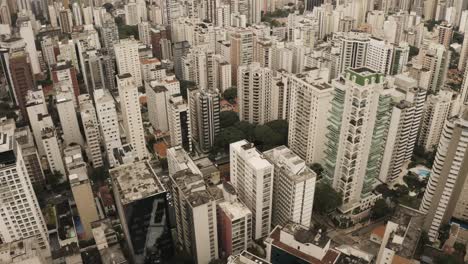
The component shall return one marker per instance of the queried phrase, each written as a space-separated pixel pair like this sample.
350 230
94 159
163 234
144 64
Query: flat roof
234 210
135 181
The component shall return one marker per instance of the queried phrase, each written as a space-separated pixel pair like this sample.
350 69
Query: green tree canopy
230 95
380 209
447 259
326 199
228 118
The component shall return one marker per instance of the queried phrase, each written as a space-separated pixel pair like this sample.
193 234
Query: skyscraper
142 208
403 128
252 176
108 121
195 211
241 50
359 115
311 95
21 217
130 107
91 130
67 115
436 111
22 77
128 60
353 49
293 187
446 193
179 122
157 98
204 111
254 93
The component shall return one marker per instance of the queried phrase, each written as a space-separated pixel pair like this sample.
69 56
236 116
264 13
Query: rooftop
234 210
293 166
135 181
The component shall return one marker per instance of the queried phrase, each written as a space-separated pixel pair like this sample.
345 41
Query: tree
317 168
266 138
225 137
326 199
380 209
247 129
228 118
54 178
447 259
281 127
230 95
413 51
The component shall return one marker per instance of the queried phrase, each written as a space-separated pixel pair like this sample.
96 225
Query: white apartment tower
195 212
221 73
352 49
252 176
446 193
157 97
293 187
67 115
36 108
51 145
131 114
91 130
108 121
204 111
21 216
179 123
254 93
357 123
379 55
128 60
402 133
310 97
436 111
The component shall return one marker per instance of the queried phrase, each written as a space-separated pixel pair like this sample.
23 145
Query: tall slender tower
21 216
358 120
130 107
128 60
446 194
204 117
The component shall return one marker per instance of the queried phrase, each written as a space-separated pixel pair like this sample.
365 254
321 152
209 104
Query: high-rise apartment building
108 121
157 97
91 130
26 32
252 176
80 186
22 78
445 33
403 128
436 111
128 60
234 222
446 193
21 216
94 71
221 73
254 93
142 208
67 114
379 55
66 21
130 108
52 148
109 34
204 112
31 157
195 211
178 115
64 73
310 97
435 59
241 50
293 187
352 49
358 119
